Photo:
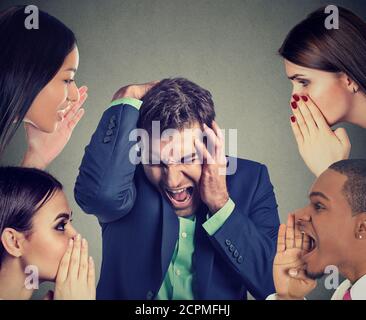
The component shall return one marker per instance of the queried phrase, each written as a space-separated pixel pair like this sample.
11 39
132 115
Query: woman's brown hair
310 44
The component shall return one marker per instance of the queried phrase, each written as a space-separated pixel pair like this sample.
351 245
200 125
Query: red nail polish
296 97
293 119
305 98
293 104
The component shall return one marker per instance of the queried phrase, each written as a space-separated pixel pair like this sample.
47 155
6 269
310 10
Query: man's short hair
355 187
177 103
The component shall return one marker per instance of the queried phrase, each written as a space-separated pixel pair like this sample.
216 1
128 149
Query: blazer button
227 242
240 259
236 253
107 139
231 248
109 132
149 295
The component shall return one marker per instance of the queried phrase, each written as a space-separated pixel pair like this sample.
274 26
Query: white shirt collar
358 290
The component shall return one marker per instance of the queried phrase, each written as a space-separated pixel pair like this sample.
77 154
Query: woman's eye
304 82
69 81
61 225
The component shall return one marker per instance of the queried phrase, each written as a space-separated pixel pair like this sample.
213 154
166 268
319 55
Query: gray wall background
226 46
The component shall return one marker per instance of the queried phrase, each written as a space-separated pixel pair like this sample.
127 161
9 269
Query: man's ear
12 241
361 226
350 84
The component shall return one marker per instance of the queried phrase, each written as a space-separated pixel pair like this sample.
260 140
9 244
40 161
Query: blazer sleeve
248 240
105 184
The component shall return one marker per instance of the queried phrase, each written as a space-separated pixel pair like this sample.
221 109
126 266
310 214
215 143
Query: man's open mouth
179 196
310 246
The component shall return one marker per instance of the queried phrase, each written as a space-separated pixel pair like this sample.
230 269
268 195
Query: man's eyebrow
63 215
318 194
296 76
190 155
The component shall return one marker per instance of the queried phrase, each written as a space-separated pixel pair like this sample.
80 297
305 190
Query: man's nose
173 175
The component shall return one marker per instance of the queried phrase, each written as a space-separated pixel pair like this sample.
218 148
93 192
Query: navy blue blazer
140 228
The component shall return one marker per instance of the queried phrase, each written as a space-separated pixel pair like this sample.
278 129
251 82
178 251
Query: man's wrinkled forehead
175 144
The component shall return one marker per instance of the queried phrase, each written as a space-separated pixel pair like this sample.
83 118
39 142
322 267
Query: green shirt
177 284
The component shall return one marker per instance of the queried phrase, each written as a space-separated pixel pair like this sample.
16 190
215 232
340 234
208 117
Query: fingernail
83 243
293 104
78 237
91 260
304 98
293 119
296 97
293 272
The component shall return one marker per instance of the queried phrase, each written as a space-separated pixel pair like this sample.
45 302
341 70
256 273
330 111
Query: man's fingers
64 264
298 237
202 152
290 232
281 244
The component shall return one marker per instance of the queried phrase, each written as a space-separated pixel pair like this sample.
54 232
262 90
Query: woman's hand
43 147
289 277
318 144
76 275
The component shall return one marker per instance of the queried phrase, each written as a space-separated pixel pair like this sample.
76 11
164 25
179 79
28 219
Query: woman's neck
12 281
358 113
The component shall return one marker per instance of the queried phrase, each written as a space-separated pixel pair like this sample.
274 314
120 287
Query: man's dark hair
177 103
355 187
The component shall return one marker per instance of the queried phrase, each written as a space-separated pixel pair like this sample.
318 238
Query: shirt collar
358 290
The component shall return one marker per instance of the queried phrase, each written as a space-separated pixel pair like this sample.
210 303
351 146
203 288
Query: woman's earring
360 237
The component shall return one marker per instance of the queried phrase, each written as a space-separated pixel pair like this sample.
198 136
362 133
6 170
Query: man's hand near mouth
289 276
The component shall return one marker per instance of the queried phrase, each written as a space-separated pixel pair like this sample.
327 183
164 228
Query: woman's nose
73 93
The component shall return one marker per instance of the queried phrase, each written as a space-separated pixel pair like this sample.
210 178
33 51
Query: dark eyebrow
190 155
319 194
296 76
64 215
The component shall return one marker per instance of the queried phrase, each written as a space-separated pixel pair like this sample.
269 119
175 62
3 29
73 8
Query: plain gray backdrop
227 46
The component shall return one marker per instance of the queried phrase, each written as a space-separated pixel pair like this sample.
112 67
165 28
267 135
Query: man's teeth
177 191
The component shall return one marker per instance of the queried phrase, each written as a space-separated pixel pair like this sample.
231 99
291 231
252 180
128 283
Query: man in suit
330 231
176 226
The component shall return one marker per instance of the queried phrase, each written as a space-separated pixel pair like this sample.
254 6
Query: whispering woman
37 84
327 68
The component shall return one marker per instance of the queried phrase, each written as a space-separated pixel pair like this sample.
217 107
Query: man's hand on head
136 91
213 187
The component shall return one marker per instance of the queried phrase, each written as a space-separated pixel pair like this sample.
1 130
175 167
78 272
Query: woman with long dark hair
37 241
37 86
327 68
